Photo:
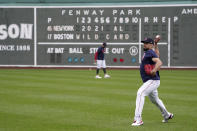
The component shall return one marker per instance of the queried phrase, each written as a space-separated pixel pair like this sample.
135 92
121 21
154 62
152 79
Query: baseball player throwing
149 70
100 60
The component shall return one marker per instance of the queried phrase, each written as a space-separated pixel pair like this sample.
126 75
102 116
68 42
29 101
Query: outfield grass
72 100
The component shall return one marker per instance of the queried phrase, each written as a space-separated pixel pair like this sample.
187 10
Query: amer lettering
189 11
14 31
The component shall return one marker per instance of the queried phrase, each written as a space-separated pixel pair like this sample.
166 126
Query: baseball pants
149 89
101 64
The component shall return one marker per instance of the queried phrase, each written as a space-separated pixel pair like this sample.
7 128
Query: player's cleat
166 119
98 77
107 76
137 123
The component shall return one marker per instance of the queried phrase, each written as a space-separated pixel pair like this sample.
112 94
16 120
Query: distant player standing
149 70
100 60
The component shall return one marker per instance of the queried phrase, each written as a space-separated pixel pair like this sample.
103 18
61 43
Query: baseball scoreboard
68 36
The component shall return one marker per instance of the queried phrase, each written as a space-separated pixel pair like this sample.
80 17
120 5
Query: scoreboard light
115 59
121 60
75 59
82 59
133 60
69 59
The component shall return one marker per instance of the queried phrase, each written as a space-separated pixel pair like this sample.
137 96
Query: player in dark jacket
100 60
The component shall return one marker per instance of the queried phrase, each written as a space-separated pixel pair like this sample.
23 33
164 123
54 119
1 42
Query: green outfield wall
42 34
